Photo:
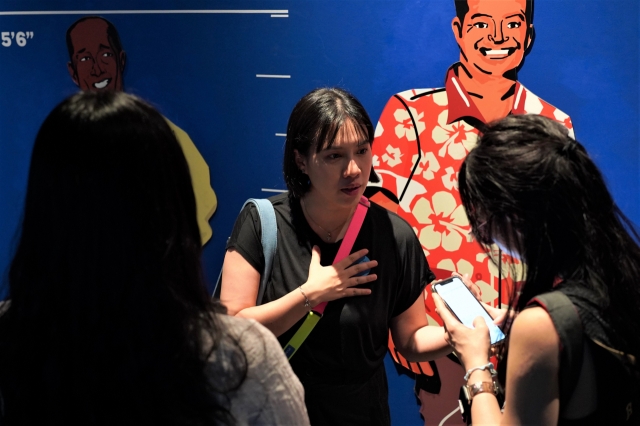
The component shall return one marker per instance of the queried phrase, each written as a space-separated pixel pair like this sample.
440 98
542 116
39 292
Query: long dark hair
529 185
315 122
109 320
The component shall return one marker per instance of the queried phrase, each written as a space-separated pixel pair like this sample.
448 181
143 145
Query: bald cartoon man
423 135
96 62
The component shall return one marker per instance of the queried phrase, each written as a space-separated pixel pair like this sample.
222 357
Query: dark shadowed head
108 305
109 185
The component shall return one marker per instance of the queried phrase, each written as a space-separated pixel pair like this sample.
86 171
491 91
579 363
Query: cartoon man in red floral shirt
423 135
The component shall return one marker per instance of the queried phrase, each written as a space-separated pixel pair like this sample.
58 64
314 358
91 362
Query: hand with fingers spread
472 345
327 283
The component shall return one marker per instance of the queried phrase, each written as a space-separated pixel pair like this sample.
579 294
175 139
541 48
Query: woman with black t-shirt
327 164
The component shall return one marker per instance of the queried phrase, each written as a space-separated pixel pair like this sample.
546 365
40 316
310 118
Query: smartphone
464 305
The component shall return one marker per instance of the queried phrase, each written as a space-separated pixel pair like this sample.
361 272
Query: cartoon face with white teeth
97 59
494 35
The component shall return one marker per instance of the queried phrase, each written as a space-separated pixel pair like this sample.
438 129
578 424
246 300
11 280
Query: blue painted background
200 71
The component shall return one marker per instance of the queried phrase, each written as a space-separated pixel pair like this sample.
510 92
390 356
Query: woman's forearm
278 315
485 409
426 344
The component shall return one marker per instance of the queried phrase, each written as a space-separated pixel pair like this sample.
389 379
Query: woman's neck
328 223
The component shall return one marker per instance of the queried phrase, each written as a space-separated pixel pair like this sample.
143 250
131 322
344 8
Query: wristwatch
467 392
475 388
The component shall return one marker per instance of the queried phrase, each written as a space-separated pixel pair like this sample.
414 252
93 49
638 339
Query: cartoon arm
206 201
387 155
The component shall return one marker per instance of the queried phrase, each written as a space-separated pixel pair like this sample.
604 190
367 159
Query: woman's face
339 174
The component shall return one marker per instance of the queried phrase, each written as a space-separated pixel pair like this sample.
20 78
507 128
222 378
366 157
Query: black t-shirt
350 341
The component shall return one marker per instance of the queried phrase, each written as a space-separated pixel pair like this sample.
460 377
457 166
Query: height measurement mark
20 37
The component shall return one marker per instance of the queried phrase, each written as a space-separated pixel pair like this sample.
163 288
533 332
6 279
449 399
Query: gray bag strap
269 240
566 320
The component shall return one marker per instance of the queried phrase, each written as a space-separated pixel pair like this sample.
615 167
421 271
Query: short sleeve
245 237
271 393
414 273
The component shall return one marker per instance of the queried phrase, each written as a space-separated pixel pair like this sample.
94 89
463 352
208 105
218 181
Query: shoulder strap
569 327
268 239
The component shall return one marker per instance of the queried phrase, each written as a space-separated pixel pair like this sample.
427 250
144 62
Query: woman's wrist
475 363
479 376
307 303
311 295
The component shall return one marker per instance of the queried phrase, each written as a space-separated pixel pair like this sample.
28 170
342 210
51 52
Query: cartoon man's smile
498 53
102 84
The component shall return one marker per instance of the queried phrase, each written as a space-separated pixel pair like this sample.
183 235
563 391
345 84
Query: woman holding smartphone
327 165
534 191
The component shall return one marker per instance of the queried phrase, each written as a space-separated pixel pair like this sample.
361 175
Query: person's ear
300 161
456 27
72 73
123 60
529 40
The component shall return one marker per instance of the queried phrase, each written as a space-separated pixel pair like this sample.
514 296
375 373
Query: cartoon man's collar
461 105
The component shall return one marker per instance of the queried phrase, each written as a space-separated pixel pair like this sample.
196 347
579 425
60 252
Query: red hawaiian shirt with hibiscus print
421 139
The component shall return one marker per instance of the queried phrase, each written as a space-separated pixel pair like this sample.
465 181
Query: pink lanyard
315 314
349 239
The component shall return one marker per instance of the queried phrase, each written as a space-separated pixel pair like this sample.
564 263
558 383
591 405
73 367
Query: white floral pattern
405 128
458 138
450 179
445 220
392 157
428 165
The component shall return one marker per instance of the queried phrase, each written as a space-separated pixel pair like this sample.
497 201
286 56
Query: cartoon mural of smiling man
96 57
493 37
96 62
423 135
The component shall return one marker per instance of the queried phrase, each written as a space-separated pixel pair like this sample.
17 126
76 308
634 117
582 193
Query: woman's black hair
531 186
315 122
109 320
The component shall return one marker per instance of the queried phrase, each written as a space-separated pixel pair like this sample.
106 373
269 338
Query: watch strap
480 387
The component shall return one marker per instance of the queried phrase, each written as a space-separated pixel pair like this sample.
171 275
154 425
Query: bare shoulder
532 370
533 318
533 338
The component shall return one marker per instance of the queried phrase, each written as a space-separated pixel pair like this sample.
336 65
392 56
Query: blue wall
200 71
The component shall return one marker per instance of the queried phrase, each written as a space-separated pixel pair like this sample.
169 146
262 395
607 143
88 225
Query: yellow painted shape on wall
206 201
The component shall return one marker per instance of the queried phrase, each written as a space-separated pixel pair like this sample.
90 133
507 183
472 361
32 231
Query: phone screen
465 306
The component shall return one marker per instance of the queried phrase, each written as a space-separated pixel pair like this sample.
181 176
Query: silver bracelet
489 366
306 299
